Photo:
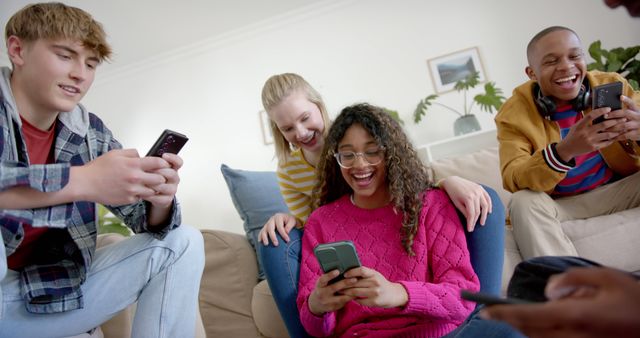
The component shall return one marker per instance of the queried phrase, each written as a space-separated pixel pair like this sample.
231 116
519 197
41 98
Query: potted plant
620 60
109 223
488 101
394 115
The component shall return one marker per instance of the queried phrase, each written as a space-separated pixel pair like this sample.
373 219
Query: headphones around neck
546 105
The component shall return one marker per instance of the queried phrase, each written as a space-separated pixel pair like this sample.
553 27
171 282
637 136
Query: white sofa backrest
482 167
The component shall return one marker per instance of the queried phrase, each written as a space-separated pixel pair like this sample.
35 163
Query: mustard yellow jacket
523 133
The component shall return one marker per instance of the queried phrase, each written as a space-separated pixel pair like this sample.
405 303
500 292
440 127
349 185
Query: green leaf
107 222
491 100
418 113
114 228
595 50
394 115
595 66
621 60
102 211
468 82
422 107
614 64
633 69
630 53
634 84
618 52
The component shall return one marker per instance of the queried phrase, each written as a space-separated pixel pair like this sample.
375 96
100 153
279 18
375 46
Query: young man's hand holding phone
168 142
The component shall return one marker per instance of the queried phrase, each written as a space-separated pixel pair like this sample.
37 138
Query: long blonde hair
275 90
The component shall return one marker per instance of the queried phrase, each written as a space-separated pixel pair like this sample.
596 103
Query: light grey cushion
611 240
256 196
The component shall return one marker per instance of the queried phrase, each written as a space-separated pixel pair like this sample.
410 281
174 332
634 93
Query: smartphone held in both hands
168 142
342 256
337 255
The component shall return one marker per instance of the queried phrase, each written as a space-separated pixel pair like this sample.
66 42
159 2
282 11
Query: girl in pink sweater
374 190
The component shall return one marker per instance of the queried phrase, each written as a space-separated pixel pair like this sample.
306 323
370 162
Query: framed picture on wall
267 136
448 69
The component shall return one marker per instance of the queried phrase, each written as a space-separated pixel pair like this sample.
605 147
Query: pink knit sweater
433 277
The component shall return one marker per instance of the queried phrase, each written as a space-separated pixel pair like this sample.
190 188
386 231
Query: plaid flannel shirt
80 137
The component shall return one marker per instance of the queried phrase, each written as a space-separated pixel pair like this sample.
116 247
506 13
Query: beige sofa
611 240
234 304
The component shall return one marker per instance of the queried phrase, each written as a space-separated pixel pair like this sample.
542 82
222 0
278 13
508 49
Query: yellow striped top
297 178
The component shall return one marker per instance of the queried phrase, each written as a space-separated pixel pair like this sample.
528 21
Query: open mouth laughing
309 141
363 179
567 82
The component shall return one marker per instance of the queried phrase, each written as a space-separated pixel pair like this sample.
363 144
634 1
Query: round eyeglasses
347 159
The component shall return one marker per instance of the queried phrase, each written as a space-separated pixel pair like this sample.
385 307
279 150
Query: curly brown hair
407 176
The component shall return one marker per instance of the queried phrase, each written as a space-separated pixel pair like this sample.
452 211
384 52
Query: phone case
169 142
337 255
607 95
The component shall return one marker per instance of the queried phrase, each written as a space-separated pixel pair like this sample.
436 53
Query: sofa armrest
230 274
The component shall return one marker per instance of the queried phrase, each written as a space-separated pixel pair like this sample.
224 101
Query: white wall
351 51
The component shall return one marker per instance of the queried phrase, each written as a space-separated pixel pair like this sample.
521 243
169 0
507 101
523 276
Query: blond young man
57 161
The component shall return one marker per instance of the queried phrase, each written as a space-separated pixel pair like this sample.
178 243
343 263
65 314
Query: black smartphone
606 95
340 255
168 142
488 299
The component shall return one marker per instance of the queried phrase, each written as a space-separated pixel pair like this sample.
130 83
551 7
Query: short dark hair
543 33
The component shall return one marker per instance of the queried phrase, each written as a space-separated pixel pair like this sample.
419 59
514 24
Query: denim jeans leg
3 271
163 276
282 268
474 327
486 246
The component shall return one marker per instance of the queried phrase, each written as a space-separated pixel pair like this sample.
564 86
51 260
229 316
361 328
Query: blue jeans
282 263
475 326
486 246
163 276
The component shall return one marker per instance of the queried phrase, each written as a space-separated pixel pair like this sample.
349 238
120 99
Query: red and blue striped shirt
590 170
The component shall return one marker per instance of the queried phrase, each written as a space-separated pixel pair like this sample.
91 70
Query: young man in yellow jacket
557 161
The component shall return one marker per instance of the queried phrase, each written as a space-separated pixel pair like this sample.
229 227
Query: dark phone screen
169 142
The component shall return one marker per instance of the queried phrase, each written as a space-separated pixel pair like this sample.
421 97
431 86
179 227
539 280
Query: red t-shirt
40 149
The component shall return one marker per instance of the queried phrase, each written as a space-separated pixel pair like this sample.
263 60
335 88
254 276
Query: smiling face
557 63
50 77
368 182
300 122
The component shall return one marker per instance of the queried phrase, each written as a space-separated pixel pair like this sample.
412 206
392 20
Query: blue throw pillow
256 196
